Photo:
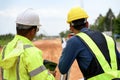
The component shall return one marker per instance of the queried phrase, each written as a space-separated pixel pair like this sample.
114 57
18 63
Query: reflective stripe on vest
17 68
18 61
111 47
112 71
33 72
37 71
3 55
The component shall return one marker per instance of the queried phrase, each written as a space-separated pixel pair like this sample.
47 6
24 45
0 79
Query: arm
68 56
35 67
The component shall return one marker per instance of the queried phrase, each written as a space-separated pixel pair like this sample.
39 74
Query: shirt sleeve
69 54
35 67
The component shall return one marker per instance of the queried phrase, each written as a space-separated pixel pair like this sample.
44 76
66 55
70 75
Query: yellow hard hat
76 13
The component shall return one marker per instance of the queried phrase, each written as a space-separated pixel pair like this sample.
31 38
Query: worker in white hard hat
20 59
95 52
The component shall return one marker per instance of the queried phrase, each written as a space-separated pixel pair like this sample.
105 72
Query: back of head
26 21
77 18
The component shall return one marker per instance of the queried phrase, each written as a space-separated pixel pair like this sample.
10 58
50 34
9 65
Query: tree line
109 22
5 39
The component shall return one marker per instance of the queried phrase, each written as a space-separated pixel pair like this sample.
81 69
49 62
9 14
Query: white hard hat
28 17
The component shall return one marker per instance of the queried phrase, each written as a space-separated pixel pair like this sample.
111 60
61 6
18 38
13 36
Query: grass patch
117 40
4 39
4 42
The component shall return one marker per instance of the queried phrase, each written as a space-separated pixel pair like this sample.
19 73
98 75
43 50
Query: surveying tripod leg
65 76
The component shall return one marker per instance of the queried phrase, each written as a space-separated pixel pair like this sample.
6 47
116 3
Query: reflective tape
98 54
3 55
37 71
27 46
17 68
18 61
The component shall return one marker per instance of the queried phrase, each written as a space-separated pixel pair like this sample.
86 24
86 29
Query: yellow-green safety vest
109 72
21 60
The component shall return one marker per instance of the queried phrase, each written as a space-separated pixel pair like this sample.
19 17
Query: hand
53 73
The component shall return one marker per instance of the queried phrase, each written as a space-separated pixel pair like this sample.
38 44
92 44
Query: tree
99 24
104 23
64 34
109 20
4 39
92 27
116 25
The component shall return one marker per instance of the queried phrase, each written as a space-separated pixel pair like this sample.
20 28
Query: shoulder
31 55
32 52
74 40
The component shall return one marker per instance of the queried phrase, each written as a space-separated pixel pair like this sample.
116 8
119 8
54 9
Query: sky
52 13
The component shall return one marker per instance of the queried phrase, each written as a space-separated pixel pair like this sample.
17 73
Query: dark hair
24 29
79 24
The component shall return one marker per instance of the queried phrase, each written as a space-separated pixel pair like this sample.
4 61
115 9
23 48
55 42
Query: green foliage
64 34
92 27
4 39
116 25
117 40
40 36
101 24
109 20
107 23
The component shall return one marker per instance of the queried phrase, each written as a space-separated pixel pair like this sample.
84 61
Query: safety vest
19 64
109 72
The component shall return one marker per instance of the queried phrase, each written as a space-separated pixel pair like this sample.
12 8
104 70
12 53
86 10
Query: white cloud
53 17
50 18
9 13
51 12
43 12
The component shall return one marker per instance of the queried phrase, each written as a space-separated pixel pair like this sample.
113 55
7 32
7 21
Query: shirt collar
83 29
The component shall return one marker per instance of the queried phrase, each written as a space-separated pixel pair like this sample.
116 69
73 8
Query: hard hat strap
19 26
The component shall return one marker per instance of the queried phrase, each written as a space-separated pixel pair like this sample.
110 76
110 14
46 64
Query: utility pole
81 3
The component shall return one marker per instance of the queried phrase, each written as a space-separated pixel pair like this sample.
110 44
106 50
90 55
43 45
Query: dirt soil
52 51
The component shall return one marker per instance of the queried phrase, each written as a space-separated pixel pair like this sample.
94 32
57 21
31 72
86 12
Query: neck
76 31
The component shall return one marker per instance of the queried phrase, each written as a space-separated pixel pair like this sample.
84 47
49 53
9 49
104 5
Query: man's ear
72 28
32 32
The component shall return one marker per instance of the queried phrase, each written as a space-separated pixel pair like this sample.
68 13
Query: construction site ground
52 51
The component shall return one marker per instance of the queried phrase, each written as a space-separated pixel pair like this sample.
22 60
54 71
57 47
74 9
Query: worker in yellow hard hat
95 52
20 59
